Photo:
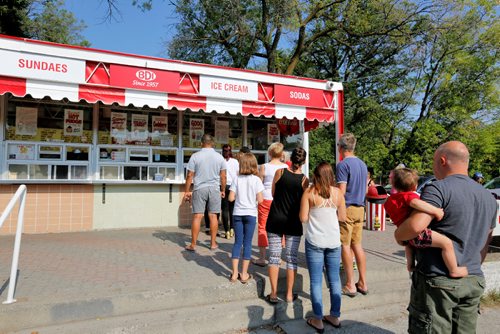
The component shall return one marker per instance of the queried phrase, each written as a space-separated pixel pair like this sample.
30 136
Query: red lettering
42 65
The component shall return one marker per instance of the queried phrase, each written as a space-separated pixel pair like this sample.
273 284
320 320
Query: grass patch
492 298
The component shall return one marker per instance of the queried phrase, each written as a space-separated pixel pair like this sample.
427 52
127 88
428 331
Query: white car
494 186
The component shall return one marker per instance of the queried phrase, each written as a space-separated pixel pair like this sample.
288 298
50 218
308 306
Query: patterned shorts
424 239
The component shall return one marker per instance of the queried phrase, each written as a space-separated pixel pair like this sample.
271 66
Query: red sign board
144 78
299 96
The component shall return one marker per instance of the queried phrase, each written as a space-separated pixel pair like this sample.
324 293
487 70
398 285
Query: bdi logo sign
144 79
145 75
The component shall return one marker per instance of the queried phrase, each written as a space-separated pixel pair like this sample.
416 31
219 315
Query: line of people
278 200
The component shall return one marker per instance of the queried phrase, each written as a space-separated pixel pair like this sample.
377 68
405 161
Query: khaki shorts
351 230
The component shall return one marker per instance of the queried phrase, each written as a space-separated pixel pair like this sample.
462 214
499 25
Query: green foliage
13 17
54 24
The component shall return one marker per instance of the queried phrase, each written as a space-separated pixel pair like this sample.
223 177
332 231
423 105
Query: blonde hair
248 164
275 150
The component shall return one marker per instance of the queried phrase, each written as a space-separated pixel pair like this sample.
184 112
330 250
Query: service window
137 126
224 128
48 121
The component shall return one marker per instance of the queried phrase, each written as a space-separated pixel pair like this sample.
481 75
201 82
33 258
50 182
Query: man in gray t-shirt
206 170
438 303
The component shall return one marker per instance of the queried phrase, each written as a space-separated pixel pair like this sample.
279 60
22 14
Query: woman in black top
288 187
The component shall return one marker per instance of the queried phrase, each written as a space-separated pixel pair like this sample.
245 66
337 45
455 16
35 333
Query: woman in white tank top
266 173
322 207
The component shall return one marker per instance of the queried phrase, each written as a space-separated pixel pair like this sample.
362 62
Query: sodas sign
144 79
300 96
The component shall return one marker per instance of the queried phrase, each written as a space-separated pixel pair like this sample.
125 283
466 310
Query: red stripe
93 94
322 115
183 102
258 109
15 86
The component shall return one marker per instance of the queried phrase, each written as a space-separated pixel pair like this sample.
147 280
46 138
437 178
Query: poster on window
139 127
222 132
118 127
273 134
26 121
196 131
73 122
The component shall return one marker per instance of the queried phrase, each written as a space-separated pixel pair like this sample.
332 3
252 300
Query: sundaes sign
144 78
228 88
35 66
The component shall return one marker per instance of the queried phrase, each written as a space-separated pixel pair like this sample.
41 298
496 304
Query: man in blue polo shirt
352 176
206 170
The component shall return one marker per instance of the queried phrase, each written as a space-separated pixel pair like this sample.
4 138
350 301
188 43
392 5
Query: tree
50 22
13 17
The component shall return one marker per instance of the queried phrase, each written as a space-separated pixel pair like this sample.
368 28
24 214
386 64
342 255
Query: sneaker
231 232
354 266
228 235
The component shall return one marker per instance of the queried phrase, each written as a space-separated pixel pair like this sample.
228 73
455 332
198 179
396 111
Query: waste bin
375 211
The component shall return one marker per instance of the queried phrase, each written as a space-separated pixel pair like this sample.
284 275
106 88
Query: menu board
73 122
273 134
222 132
196 131
118 127
26 121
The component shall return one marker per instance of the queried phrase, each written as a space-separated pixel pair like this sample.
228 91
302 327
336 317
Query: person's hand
439 214
187 196
223 194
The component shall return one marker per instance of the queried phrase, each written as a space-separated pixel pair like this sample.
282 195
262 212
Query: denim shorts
207 197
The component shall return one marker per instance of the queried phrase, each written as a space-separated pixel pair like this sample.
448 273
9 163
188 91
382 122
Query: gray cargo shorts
207 197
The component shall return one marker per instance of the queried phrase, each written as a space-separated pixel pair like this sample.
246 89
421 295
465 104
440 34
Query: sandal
233 280
319 330
361 291
272 300
325 319
245 281
258 263
349 293
294 298
189 248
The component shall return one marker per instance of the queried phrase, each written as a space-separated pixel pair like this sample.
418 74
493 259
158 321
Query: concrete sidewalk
104 274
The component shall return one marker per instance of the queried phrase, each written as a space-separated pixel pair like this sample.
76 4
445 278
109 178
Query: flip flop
272 300
189 248
325 319
361 291
294 298
214 248
260 264
317 329
245 281
233 280
349 293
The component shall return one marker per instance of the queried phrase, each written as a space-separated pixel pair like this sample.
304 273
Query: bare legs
347 259
195 229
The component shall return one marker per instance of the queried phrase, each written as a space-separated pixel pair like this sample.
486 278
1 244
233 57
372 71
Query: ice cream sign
36 66
228 88
144 78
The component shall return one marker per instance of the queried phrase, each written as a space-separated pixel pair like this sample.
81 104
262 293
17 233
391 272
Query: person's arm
341 208
222 183
232 196
343 188
484 251
260 197
276 178
304 206
413 225
262 171
187 187
420 205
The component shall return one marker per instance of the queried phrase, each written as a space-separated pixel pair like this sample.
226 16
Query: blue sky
134 31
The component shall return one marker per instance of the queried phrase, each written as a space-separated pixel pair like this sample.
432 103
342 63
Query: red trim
321 115
106 95
15 86
182 102
258 109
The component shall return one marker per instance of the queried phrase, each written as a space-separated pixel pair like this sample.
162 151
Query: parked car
423 181
494 186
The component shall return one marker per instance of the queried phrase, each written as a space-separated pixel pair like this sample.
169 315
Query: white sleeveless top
323 225
269 171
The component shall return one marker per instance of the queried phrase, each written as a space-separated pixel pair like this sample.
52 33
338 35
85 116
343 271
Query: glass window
289 133
125 126
47 120
225 129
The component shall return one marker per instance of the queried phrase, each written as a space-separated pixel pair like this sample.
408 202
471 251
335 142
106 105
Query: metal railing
21 196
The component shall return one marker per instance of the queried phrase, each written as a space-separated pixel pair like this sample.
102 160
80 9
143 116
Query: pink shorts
424 239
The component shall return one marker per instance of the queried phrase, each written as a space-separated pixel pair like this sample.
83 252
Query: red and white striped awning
42 69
